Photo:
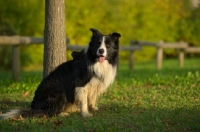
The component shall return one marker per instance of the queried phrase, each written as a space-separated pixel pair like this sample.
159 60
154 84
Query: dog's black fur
67 83
59 87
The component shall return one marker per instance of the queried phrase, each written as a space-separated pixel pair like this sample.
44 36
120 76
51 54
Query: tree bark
54 35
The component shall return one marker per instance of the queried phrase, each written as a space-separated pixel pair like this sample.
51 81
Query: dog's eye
99 43
107 45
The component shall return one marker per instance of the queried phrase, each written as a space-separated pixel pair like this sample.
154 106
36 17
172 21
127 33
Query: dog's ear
116 36
94 31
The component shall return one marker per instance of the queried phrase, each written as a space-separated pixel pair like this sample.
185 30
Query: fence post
131 57
131 60
159 55
16 62
181 57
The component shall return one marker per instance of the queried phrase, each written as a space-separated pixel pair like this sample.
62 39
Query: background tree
54 35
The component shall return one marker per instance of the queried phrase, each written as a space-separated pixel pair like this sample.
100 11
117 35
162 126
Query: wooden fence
182 47
15 41
165 45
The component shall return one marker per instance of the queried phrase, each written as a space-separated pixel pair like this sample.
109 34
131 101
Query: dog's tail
16 113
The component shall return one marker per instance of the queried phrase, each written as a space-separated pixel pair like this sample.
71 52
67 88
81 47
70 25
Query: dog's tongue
101 59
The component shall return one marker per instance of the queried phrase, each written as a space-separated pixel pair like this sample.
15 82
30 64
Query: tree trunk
54 35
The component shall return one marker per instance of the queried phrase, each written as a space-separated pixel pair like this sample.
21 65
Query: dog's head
103 47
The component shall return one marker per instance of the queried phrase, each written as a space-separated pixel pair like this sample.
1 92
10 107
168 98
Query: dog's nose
101 51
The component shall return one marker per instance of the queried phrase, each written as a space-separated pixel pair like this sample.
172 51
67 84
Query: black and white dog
77 82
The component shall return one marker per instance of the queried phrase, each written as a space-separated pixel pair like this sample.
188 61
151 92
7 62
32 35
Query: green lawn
142 100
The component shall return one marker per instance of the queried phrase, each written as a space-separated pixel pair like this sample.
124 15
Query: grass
141 100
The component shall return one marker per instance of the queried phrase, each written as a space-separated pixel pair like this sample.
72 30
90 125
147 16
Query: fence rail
192 50
165 45
15 41
135 45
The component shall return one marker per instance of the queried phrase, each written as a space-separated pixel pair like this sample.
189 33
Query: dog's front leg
92 98
82 95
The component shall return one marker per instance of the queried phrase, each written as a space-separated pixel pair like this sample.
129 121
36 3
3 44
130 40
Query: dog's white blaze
102 46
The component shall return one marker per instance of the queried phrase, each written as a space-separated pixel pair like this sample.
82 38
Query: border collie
78 82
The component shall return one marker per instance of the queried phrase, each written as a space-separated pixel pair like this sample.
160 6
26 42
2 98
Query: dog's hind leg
52 102
71 107
82 96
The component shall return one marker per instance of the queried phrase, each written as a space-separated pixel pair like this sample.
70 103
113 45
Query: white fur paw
86 115
94 108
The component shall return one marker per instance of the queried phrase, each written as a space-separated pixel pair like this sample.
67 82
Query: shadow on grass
137 118
6 104
112 117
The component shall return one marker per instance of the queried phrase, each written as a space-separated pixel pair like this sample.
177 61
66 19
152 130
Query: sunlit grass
144 99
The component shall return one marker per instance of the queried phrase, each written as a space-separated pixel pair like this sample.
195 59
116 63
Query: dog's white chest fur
104 75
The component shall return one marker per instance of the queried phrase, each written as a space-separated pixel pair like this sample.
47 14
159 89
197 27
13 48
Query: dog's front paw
86 115
94 108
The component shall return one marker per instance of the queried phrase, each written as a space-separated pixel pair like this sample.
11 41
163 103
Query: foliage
150 20
193 30
141 100
24 19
